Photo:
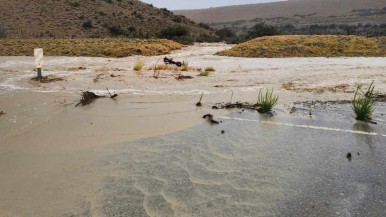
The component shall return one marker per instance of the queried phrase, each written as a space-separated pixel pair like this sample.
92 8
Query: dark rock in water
349 156
222 131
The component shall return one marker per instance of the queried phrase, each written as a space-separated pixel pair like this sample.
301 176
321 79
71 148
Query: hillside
309 46
90 18
300 16
290 8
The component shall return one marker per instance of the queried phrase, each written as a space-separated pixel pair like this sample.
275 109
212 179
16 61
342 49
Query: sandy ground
47 144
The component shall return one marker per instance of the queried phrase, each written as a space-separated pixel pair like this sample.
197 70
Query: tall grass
267 101
363 105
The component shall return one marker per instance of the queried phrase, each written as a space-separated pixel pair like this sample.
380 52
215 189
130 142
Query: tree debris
47 79
111 96
172 62
238 105
181 77
209 117
199 104
87 98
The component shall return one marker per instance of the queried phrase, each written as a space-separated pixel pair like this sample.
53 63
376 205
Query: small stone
349 156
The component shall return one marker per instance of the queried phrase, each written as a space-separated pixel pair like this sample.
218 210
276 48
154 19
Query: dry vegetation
309 46
281 10
88 18
108 47
165 67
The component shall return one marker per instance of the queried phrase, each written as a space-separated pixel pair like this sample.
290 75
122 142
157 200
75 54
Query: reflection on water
364 139
251 170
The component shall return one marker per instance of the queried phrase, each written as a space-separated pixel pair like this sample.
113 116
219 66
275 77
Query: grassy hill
309 46
92 19
95 47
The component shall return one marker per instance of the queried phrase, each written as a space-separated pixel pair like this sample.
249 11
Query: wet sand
55 158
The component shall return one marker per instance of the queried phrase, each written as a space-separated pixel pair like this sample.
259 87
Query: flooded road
149 152
261 166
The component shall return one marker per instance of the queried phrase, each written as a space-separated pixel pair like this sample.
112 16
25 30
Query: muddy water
149 153
258 167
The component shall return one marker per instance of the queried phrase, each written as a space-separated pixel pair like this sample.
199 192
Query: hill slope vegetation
92 19
309 46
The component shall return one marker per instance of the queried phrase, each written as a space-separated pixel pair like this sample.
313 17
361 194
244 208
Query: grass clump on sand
209 69
267 101
309 46
138 66
363 104
106 47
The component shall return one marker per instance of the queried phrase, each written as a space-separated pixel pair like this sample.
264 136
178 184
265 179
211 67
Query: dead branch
87 98
111 96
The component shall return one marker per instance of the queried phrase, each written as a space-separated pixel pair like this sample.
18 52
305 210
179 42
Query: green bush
363 105
267 101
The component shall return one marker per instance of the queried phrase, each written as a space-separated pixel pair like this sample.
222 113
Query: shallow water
256 168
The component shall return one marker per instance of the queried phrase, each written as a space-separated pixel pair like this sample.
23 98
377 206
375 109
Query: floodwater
150 153
261 166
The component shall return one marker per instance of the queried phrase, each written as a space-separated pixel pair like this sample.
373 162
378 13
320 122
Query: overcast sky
193 4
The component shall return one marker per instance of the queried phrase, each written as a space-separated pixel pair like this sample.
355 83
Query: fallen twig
111 96
238 105
198 104
209 117
180 77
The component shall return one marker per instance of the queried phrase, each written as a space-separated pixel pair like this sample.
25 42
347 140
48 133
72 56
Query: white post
38 53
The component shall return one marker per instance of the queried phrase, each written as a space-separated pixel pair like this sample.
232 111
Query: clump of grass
138 66
308 46
203 74
95 47
267 101
185 67
288 86
363 105
209 69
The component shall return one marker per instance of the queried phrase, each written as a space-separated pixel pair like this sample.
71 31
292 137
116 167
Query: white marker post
38 53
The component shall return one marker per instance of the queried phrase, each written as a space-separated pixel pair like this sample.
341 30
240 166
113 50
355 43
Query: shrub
138 66
203 74
174 31
185 67
262 29
363 105
87 25
116 31
209 69
267 101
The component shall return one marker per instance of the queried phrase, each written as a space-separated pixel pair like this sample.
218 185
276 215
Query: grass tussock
107 47
309 46
267 101
164 67
363 103
138 66
204 74
209 69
